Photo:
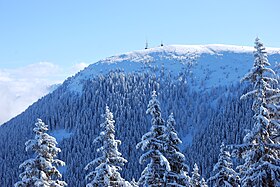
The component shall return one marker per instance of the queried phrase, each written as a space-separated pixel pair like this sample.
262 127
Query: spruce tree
109 164
203 183
133 183
177 176
41 171
153 143
195 178
225 176
261 147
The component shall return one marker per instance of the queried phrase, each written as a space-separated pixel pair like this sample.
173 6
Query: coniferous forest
149 129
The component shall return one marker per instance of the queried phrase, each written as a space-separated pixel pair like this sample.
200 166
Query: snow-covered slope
210 65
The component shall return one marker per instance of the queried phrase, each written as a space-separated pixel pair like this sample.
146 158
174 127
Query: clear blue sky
66 32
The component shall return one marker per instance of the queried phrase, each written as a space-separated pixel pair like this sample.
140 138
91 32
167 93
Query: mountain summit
213 64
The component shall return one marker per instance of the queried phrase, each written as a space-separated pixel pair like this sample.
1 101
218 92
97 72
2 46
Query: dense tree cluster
166 166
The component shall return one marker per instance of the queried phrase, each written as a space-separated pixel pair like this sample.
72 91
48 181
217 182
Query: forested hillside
206 109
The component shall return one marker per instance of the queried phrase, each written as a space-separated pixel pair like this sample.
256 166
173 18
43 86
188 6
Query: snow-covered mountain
199 84
214 65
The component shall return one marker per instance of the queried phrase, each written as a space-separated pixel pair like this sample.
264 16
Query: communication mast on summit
146 45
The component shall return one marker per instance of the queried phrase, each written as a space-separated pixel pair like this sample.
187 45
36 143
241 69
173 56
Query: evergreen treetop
225 175
177 176
261 149
153 143
109 164
195 178
41 171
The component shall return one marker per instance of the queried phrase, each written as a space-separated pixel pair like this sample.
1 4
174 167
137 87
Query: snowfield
211 65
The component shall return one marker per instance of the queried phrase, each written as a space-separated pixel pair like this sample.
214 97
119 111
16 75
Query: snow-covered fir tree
225 175
195 178
133 183
153 143
203 183
109 164
178 174
41 171
261 147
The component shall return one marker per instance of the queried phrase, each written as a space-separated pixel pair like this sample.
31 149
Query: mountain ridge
174 58
207 48
199 49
